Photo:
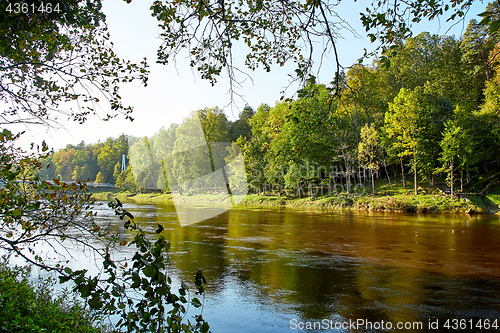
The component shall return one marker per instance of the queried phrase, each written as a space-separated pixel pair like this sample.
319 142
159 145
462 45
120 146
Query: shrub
25 307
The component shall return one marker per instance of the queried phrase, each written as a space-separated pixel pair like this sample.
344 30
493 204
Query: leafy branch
139 290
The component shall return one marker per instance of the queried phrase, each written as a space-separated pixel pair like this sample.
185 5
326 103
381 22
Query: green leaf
196 302
84 290
494 26
160 228
485 21
16 212
95 302
163 290
63 279
204 327
149 271
484 14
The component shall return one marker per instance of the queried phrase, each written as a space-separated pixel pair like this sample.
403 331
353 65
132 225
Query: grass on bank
392 198
26 307
388 197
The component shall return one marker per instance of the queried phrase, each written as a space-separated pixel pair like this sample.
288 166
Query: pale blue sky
176 90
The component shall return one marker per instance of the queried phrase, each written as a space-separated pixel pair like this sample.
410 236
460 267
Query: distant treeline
99 162
102 162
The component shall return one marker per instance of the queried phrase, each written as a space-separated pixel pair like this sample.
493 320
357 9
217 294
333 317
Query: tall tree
401 122
215 124
107 159
456 148
491 107
476 45
369 150
433 112
241 127
255 148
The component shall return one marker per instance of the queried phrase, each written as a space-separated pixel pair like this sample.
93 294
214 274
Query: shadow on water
278 271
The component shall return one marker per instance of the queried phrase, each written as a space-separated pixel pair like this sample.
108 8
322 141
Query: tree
369 150
456 147
477 44
51 57
117 171
368 91
491 107
247 112
111 154
416 121
215 124
433 112
209 31
126 180
254 148
241 127
100 178
402 123
63 162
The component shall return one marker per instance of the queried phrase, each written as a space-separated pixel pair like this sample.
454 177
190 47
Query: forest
429 107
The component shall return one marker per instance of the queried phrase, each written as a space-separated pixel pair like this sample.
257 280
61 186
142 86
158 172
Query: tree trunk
348 177
462 179
451 177
387 173
402 172
415 171
485 64
373 182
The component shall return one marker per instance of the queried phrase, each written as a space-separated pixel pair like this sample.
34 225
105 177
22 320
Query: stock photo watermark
191 169
308 180
183 163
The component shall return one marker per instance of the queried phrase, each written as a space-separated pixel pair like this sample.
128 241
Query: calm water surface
274 270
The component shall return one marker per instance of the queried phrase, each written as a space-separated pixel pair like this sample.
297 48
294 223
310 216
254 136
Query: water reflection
267 267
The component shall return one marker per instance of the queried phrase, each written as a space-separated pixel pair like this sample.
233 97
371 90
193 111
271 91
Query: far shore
393 198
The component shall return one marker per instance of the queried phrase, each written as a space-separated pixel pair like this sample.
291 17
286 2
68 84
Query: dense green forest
430 107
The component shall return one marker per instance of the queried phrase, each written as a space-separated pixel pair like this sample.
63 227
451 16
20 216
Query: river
272 270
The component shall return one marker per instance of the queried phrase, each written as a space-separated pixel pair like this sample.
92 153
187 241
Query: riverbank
389 197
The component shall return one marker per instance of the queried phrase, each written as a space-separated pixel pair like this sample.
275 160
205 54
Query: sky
175 90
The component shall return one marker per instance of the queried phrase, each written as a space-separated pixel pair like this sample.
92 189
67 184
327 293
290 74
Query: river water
272 270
